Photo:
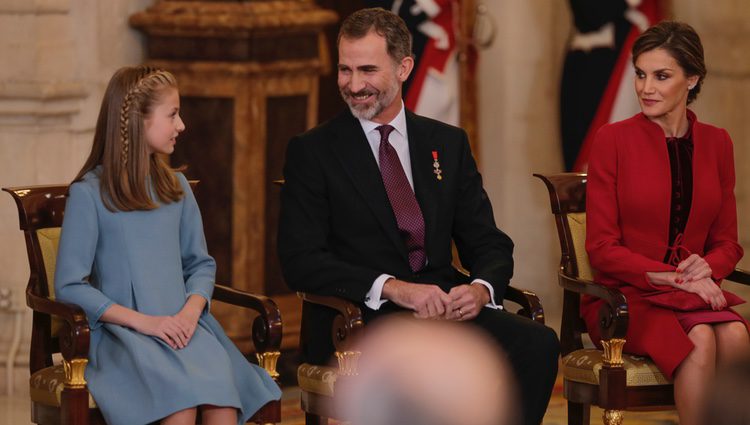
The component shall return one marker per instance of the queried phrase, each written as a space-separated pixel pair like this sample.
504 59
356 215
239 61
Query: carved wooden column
248 75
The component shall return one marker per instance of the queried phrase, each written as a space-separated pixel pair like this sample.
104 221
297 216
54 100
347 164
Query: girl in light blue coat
133 256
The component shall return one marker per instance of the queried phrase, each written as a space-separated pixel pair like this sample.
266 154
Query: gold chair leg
348 362
613 417
268 361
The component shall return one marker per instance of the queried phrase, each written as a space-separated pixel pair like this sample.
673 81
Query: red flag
433 87
617 100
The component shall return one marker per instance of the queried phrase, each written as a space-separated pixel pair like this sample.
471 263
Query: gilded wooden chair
608 378
318 383
58 392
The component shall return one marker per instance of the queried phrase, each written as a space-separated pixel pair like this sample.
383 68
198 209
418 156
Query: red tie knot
385 131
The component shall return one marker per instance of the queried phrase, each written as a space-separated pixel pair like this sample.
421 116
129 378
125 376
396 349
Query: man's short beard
382 100
366 113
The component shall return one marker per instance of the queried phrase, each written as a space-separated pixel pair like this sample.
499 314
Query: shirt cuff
373 298
490 304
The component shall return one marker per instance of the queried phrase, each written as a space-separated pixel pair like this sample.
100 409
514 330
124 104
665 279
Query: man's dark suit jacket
338 233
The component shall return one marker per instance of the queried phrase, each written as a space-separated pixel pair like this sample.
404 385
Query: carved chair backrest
40 215
567 193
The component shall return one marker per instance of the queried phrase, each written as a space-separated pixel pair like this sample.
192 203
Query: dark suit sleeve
304 231
484 250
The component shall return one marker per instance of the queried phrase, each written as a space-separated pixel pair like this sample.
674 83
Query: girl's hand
708 290
693 268
167 328
188 320
190 314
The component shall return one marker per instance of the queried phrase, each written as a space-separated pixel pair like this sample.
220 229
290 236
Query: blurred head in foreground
424 372
728 401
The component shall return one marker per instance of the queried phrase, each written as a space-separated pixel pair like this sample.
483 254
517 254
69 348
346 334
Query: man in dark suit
374 197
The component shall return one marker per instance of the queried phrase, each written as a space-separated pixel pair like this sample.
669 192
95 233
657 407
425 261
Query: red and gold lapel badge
436 165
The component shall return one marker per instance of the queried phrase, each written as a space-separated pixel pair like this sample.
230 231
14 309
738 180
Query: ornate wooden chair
59 394
608 378
318 383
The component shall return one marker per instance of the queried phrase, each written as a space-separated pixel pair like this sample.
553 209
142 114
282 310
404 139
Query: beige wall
58 55
725 97
518 122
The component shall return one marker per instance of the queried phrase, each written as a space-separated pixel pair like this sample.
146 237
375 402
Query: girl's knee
218 414
186 416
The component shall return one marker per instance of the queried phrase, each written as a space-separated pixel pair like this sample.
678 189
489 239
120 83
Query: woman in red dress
662 215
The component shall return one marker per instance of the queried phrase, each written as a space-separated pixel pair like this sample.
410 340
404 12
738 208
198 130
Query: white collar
398 123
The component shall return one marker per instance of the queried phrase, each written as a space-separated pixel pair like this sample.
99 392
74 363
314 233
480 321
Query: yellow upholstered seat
584 366
46 386
317 379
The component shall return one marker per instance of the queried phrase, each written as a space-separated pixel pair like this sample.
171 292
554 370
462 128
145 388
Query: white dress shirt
399 139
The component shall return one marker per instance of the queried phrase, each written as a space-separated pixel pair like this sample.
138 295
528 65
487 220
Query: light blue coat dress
150 261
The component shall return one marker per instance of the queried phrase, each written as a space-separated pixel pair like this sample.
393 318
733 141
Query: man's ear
404 68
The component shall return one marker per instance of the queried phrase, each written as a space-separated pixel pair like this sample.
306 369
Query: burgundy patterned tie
405 207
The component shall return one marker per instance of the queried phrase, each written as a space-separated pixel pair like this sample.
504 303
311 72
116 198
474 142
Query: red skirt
688 319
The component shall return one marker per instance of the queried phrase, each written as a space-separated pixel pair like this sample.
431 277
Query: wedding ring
460 313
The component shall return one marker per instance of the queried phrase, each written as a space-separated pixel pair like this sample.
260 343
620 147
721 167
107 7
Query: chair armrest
740 276
267 327
348 322
531 306
75 334
613 315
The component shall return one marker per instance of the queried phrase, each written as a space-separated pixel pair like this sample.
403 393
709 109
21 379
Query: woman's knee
704 340
733 335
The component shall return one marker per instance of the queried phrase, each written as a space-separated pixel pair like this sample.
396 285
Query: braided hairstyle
128 171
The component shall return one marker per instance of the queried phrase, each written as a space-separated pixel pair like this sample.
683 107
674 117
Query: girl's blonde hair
128 170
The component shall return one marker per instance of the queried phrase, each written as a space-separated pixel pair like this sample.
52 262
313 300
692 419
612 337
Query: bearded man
373 199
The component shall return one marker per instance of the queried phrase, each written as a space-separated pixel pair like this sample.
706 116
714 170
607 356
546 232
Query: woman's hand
663 278
708 290
693 268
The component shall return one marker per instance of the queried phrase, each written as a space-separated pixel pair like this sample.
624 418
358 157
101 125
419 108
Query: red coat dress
628 210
